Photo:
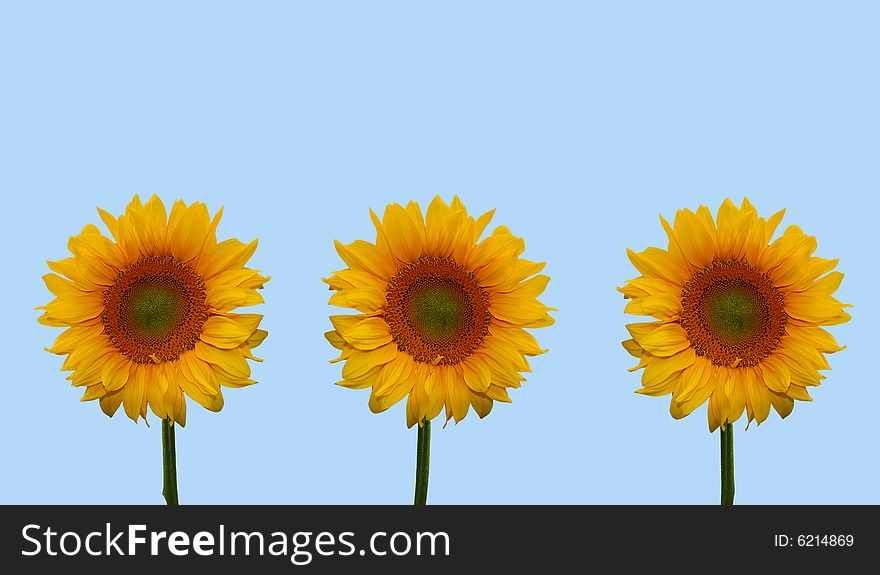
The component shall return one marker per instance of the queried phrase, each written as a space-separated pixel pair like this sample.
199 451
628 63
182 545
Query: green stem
423 462
727 487
169 463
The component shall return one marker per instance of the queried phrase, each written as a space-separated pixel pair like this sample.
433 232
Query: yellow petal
717 407
813 310
396 372
405 237
815 337
826 285
335 339
666 340
415 406
133 394
195 370
775 374
667 386
364 380
187 235
151 224
155 398
516 338
395 394
97 258
362 361
738 394
67 267
228 255
482 222
633 348
654 262
75 338
531 288
110 402
663 306
232 361
798 392
115 372
788 247
61 287
759 398
493 258
256 338
365 299
201 394
519 312
364 256
477 375
442 228
362 331
813 269
225 379
223 298
498 393
482 404
93 392
225 332
732 236
72 310
457 401
349 279
782 404
111 223
682 405
642 330
695 240
694 378
659 371
522 269
175 403
801 352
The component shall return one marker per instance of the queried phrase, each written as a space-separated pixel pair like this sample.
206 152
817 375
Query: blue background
580 122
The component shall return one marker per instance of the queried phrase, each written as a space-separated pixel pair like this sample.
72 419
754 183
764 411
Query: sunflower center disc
155 309
436 311
733 314
733 311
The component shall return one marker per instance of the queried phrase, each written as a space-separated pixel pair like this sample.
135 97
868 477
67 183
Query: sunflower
148 312
738 318
442 313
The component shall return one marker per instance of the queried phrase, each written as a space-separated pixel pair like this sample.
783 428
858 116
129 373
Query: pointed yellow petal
224 332
362 331
477 375
362 361
666 340
187 236
660 370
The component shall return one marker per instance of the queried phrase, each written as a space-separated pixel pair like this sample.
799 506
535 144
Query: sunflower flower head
442 312
148 310
738 318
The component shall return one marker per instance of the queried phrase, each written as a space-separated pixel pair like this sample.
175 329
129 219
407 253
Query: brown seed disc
732 313
436 309
155 309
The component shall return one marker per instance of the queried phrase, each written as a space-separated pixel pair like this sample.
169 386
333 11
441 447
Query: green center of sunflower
437 310
734 313
155 308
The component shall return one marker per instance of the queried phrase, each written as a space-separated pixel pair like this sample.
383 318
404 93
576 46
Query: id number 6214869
813 540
